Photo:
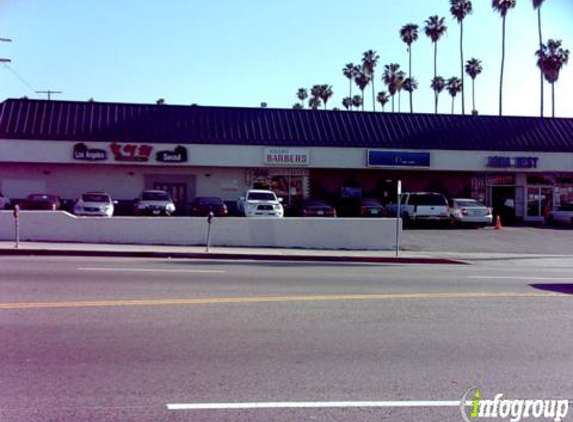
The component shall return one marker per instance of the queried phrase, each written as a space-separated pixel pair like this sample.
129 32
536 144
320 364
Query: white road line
148 270
309 405
491 277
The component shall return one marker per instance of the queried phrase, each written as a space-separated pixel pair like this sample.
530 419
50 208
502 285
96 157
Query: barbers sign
292 157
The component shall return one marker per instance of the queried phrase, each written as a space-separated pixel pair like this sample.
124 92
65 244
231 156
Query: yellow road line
269 299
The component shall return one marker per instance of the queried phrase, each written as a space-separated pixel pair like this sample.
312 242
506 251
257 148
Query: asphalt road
86 339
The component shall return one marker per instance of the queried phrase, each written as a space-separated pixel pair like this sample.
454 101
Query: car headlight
170 207
277 206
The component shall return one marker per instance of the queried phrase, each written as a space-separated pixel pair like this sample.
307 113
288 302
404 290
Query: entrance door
539 201
503 203
178 192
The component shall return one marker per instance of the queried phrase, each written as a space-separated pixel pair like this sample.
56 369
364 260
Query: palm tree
314 103
383 98
297 106
302 94
369 62
551 58
350 71
473 68
502 7
357 101
410 85
454 86
537 6
362 80
459 10
409 34
325 93
393 77
438 84
347 102
435 28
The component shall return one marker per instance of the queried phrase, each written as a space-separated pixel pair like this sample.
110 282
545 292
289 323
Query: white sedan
564 214
469 211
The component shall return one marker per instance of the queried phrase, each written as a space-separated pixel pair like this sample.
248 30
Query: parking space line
493 277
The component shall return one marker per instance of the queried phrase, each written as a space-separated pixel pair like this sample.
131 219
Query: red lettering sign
131 152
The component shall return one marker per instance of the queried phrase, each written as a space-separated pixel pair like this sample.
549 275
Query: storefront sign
287 156
131 152
82 152
503 162
398 159
178 155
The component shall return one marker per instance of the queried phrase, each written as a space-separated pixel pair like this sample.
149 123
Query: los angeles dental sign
287 156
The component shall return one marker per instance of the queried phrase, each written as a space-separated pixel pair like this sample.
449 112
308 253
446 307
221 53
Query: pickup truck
260 203
421 206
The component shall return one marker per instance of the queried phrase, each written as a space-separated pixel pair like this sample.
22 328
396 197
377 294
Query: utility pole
49 92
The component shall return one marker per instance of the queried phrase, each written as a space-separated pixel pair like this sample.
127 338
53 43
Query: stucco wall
317 233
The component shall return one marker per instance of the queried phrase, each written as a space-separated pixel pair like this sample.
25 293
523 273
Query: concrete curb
229 256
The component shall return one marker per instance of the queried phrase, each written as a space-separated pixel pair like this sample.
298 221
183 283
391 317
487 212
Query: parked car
154 202
564 214
4 202
370 207
94 204
203 205
260 203
469 212
422 206
41 201
317 208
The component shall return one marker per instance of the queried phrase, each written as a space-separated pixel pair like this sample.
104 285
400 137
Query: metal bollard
17 225
209 222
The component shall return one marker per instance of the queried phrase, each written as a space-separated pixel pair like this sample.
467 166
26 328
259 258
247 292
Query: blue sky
244 52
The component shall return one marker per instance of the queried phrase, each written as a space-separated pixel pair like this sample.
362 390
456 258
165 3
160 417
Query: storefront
522 167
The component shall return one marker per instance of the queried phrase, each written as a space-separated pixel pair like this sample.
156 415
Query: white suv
422 206
260 203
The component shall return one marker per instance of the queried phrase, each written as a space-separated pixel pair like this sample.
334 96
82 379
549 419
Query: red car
317 208
41 201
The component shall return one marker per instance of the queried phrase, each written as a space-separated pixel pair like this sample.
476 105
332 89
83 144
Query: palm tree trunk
462 64
502 64
350 88
373 94
410 75
473 94
552 99
393 103
453 104
540 47
435 74
362 100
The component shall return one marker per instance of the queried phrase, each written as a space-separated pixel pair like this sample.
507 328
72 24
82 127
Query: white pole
398 216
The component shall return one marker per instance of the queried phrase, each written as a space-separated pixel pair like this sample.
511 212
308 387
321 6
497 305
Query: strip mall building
67 148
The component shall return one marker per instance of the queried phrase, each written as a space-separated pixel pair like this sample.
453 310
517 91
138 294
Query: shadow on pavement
566 288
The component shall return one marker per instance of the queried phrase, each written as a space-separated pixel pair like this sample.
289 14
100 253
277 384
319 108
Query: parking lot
528 240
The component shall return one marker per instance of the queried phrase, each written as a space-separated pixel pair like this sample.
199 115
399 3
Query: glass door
539 201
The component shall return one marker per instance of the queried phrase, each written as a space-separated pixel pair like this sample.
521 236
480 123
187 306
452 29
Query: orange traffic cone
498 223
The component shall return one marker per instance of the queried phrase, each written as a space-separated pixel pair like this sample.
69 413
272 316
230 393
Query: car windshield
428 199
41 197
209 201
155 196
95 197
370 202
468 203
261 196
315 203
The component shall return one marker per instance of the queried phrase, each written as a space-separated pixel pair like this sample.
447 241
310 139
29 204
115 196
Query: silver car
465 211
95 204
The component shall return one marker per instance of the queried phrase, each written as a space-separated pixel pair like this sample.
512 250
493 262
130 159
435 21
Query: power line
19 77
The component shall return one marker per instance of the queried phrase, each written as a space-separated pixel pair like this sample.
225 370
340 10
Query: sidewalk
199 252
7 248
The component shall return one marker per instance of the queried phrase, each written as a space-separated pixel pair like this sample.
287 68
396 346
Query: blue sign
398 159
503 162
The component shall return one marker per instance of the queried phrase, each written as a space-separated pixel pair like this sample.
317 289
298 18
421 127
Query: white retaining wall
313 233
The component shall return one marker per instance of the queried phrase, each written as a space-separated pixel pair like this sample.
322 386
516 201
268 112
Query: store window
563 191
